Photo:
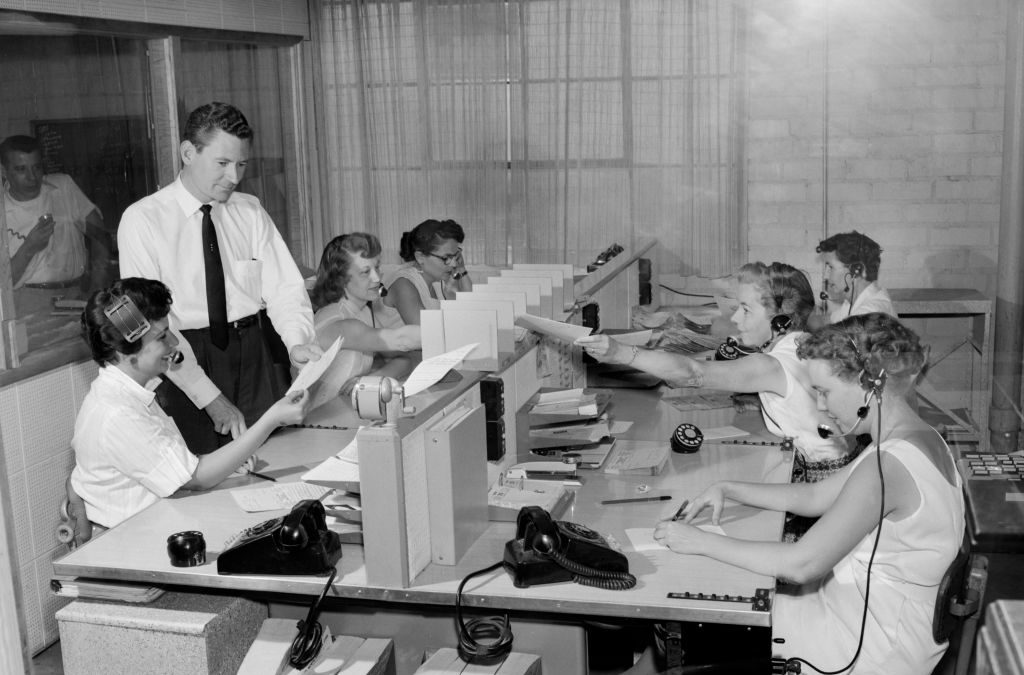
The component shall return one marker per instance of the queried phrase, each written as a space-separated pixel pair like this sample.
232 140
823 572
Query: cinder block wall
906 102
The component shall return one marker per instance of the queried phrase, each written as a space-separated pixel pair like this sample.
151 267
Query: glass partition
76 151
88 108
250 77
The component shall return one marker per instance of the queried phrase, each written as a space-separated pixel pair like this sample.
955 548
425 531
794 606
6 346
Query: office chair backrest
958 606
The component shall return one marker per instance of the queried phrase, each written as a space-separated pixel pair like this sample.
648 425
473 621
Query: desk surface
925 301
136 549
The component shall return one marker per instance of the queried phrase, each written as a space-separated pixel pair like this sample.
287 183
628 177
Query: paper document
637 457
556 329
638 338
279 496
312 372
719 433
642 538
339 470
433 369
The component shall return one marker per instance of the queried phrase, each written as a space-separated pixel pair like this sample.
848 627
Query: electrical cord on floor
306 645
484 640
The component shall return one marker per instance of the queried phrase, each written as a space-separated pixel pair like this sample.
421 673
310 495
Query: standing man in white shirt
851 276
225 263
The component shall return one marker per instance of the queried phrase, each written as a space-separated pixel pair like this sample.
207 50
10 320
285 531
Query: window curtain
549 129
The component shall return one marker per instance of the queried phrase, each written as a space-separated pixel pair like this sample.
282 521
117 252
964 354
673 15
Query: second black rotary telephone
546 551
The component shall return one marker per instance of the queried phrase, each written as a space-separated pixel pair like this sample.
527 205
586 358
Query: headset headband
125 316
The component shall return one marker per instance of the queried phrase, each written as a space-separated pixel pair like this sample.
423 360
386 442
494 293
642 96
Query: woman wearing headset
774 302
347 301
128 452
895 515
434 269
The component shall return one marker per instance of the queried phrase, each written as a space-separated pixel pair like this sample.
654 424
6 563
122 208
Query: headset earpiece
781 323
873 383
856 269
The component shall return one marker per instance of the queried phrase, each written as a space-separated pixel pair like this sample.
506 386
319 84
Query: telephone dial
298 543
546 551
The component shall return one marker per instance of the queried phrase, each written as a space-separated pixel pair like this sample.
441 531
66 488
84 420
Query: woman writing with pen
128 452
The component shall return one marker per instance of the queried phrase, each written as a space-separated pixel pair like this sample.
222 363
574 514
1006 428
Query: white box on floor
177 633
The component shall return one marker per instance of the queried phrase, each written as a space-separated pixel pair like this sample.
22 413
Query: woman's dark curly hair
427 236
105 341
867 343
332 275
784 290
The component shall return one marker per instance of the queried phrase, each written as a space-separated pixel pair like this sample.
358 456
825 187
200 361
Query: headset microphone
825 431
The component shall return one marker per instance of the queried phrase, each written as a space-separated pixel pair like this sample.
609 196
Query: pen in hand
680 512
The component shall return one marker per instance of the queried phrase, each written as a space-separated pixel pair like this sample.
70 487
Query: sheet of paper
278 496
344 367
719 433
312 371
433 369
634 455
638 338
334 471
556 329
619 427
642 538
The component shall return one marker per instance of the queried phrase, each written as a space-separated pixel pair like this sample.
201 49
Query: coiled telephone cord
494 630
588 576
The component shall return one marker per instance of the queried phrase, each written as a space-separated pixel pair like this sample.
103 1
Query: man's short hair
12 144
205 120
852 248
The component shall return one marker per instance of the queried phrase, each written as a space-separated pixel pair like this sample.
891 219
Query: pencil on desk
631 500
263 476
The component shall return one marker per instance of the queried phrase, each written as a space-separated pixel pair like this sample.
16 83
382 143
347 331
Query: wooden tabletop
136 549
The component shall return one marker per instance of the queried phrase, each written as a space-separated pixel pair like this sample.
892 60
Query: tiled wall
913 96
37 418
282 17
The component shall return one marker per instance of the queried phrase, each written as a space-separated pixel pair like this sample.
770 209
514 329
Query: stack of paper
568 405
73 587
505 501
566 435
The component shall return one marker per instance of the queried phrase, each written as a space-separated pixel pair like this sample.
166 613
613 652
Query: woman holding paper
128 452
433 269
773 304
347 304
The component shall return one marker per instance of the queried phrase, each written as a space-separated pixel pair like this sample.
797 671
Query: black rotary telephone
547 552
298 543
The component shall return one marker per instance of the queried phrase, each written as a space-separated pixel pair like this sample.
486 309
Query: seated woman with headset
347 303
774 302
860 369
433 269
128 452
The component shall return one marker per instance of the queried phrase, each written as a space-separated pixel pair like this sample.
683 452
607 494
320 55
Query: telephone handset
297 543
547 551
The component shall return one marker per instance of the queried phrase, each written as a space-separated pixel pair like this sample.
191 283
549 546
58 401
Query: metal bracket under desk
924 303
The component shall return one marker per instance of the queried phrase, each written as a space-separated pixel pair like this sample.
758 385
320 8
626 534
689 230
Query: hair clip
125 316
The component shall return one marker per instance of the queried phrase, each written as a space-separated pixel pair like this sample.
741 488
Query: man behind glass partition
48 219
224 261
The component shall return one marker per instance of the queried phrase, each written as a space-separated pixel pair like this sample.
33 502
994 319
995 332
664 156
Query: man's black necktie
216 302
